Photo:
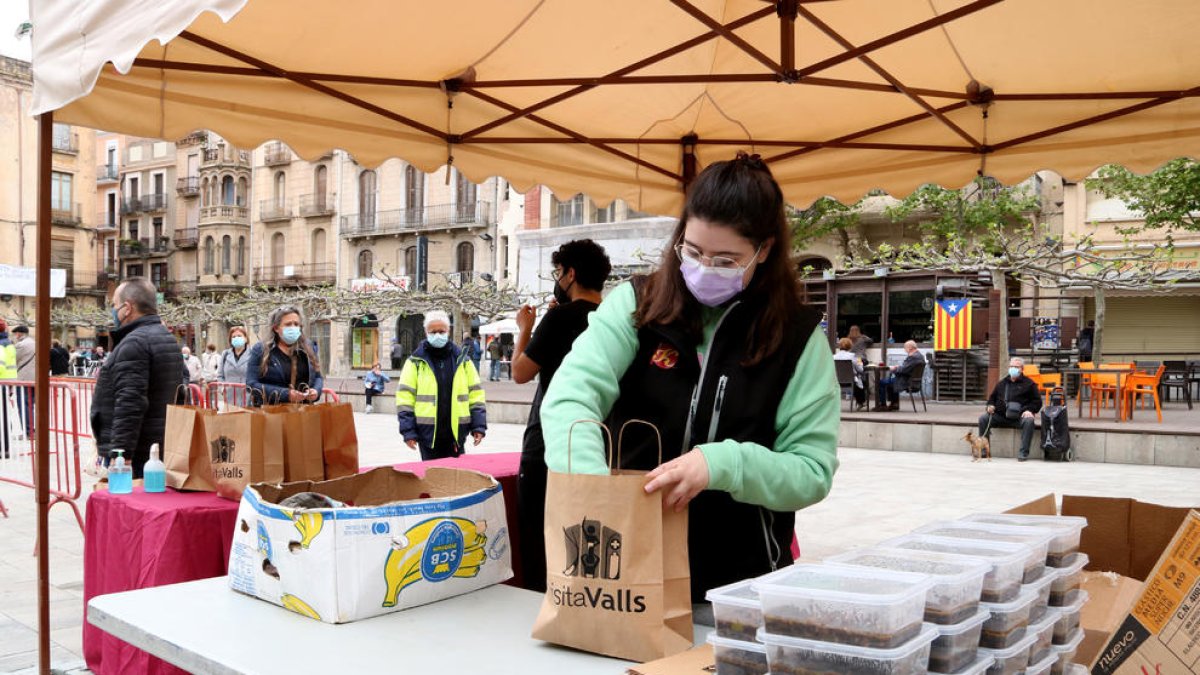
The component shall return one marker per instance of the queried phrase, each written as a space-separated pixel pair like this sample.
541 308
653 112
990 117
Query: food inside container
1008 621
1065 653
860 606
1066 531
737 611
956 646
1068 581
957 581
977 667
1043 631
1037 539
1043 666
738 657
1068 619
796 656
1012 660
1042 588
1001 584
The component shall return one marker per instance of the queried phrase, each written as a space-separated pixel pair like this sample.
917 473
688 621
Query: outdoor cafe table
205 627
144 540
1080 372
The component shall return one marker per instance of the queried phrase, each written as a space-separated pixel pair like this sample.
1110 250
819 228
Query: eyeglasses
556 274
689 252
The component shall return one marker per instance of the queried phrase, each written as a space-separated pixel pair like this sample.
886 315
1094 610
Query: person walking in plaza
439 400
375 381
888 396
282 367
580 269
236 358
717 350
138 380
60 360
1087 337
1014 403
210 364
843 353
397 354
195 371
473 350
8 372
26 372
495 353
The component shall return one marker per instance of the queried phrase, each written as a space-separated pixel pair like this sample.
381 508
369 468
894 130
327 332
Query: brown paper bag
185 449
245 446
302 450
617 575
339 440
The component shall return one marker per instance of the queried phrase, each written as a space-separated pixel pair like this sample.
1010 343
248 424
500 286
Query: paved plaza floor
876 494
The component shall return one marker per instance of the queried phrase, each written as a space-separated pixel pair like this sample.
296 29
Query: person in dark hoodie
439 399
138 379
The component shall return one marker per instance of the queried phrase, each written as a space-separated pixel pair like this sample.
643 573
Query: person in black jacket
138 379
60 360
888 396
1013 403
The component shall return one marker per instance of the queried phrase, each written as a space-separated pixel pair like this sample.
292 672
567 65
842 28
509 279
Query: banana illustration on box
435 550
298 606
309 524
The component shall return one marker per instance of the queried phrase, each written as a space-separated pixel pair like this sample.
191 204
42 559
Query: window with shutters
62 257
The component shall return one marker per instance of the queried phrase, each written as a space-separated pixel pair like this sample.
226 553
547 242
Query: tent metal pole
42 388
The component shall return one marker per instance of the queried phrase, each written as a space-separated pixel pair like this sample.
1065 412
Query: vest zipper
716 413
687 430
773 549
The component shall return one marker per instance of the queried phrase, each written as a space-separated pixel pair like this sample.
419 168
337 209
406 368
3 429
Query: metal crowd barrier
17 458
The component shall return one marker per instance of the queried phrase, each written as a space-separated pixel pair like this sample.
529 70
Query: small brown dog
981 447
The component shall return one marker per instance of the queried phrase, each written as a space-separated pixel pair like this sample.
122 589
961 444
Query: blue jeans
494 372
887 393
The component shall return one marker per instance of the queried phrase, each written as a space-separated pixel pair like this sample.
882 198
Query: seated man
1013 403
888 396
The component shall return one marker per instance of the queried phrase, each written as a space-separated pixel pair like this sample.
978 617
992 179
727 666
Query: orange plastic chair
1030 370
1104 386
1140 385
1085 382
1047 383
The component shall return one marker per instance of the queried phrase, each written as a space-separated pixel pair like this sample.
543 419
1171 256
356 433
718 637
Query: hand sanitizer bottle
120 475
154 474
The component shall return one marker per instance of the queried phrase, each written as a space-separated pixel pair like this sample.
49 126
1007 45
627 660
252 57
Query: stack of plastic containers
821 618
1001 584
738 615
1036 540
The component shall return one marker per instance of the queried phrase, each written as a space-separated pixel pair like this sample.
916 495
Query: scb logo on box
380 527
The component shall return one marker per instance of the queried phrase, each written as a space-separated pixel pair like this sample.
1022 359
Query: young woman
716 350
235 359
282 367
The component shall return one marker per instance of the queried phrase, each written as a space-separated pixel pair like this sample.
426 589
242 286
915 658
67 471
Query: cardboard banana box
400 541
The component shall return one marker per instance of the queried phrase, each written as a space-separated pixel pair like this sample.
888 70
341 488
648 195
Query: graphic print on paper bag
593 551
224 449
434 550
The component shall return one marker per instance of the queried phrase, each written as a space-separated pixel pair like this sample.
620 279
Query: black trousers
987 422
531 509
444 445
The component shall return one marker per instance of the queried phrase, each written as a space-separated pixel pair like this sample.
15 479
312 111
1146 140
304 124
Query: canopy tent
499 327
627 98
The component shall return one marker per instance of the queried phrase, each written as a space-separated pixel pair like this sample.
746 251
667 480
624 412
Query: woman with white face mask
716 349
439 400
282 367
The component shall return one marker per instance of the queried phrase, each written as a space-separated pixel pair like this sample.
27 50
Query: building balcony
130 205
67 214
153 202
173 289
133 248
194 138
297 275
399 221
276 154
223 155
158 246
224 214
188 186
274 209
108 173
187 237
462 279
315 206
67 144
106 223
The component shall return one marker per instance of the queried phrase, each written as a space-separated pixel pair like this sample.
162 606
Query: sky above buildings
12 14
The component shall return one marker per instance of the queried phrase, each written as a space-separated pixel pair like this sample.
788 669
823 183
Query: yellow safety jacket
417 399
8 362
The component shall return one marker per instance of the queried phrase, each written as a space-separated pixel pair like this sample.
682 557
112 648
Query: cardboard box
1127 542
400 542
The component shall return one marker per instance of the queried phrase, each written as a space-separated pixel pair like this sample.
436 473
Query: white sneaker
369 410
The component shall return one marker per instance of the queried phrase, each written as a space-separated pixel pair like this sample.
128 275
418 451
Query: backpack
1056 431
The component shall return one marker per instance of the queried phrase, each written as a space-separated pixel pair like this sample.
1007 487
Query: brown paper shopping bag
617 576
185 448
245 446
303 458
339 440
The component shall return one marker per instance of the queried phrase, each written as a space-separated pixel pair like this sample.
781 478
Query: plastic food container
738 657
1037 539
956 646
1076 669
1068 619
1002 584
1043 631
1008 621
1064 654
1009 661
787 655
1042 667
861 606
957 581
1067 582
978 667
1042 588
737 611
1066 531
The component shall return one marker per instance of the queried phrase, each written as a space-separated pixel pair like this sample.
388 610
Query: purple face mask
712 286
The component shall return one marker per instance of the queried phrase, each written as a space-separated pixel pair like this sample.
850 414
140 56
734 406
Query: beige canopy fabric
841 96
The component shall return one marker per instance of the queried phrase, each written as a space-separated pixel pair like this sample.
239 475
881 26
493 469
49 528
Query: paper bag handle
187 396
607 434
621 441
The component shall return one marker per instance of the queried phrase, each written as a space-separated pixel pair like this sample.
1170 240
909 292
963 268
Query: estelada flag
952 324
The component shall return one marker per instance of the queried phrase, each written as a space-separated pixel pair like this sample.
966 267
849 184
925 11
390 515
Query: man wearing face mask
439 399
138 379
1014 403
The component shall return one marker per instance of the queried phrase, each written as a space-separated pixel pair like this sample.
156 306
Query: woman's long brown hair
740 194
271 340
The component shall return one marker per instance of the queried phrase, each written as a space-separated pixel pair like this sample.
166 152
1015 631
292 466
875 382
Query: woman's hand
681 479
296 396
